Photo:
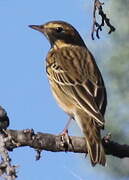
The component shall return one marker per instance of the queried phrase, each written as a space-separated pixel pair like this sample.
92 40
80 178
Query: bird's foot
65 139
107 138
64 134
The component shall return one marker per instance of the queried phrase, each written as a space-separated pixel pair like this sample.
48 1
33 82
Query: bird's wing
75 71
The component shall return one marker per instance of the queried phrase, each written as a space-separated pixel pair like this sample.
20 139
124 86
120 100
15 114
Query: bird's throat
58 44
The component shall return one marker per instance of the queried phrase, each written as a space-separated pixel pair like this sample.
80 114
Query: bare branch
104 20
54 143
7 171
49 142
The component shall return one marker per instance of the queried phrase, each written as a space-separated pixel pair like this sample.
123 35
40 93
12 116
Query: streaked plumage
76 83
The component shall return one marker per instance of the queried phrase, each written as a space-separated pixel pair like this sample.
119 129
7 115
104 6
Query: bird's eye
59 29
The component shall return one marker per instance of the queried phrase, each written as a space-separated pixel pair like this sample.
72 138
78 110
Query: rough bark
57 143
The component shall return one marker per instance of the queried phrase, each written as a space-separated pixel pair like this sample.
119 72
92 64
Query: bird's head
59 33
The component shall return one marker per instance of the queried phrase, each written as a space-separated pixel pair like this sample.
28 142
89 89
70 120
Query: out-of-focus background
25 92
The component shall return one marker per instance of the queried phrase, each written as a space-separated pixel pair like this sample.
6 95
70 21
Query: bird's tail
93 138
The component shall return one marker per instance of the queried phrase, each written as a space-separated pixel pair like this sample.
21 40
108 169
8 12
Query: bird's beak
40 28
37 27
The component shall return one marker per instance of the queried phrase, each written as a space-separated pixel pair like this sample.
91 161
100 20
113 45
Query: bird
76 83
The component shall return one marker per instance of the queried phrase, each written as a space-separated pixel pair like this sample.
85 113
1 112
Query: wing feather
81 79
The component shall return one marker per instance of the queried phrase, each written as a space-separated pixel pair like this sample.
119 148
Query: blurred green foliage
112 56
118 82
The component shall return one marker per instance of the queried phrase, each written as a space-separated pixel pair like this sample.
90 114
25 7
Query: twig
104 20
4 120
7 171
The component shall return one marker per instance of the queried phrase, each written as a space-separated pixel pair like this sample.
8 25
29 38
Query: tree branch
97 27
55 143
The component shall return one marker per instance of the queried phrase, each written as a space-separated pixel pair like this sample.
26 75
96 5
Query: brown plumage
76 83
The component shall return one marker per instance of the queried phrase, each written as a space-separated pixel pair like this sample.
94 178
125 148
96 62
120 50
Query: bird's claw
107 138
65 139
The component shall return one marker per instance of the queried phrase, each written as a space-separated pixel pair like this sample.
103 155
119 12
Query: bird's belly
64 101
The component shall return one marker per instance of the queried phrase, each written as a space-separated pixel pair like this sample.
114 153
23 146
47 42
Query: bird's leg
64 134
65 130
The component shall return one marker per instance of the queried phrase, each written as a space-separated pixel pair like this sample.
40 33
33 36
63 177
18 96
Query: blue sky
25 92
